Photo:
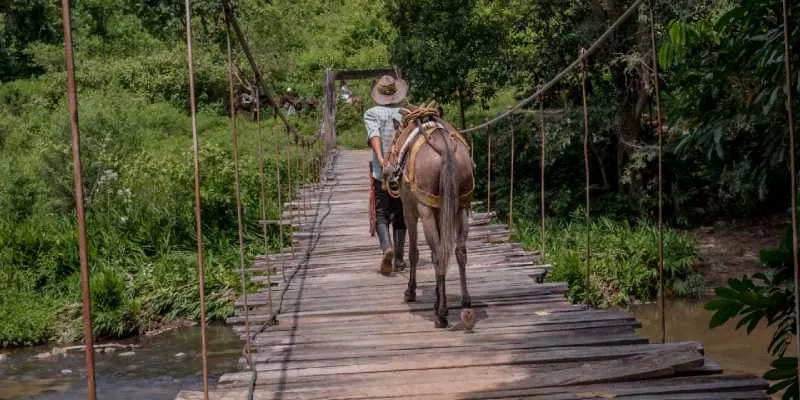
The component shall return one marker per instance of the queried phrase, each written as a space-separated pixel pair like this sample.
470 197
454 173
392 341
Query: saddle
406 156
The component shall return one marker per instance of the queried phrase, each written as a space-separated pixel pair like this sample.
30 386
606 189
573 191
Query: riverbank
730 248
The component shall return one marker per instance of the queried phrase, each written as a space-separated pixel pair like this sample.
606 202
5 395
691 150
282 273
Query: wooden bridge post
329 110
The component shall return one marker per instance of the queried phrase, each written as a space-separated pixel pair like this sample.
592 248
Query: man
387 93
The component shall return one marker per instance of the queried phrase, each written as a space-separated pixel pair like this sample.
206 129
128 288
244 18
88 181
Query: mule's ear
396 124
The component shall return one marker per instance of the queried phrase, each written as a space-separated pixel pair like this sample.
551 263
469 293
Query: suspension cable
248 354
660 133
489 169
197 217
564 72
584 72
793 171
511 185
541 171
77 173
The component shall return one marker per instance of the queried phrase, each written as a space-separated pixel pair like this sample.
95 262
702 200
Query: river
734 350
156 371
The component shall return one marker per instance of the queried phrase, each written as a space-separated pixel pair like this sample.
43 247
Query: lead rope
584 72
72 96
237 190
793 172
197 217
660 133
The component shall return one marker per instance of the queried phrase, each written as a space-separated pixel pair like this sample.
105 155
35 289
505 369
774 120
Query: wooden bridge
344 331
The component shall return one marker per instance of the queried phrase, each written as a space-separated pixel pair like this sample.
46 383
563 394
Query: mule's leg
467 313
430 226
461 257
410 217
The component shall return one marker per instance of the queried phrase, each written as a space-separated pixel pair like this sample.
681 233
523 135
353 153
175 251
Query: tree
439 43
23 22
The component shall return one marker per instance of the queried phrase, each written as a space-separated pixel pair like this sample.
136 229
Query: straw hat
388 90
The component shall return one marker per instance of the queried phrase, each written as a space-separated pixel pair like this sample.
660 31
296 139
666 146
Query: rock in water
3 357
66 371
179 355
127 353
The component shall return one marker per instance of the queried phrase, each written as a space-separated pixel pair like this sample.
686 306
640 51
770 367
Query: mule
430 169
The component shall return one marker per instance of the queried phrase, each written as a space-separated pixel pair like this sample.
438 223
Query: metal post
72 96
201 273
511 184
238 193
793 170
541 170
489 169
585 71
660 133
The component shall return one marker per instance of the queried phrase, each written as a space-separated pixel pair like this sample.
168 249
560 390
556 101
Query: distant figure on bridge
388 93
346 92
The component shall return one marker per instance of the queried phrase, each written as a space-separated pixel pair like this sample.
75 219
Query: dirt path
730 248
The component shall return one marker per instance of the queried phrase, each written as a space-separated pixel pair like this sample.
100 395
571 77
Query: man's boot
399 243
386 247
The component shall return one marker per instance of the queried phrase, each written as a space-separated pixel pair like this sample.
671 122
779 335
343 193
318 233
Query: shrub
624 258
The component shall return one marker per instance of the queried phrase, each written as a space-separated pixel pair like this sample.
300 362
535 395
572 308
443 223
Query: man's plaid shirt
378 121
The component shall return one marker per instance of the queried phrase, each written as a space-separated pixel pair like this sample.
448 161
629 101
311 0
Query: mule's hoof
468 318
410 296
386 263
401 266
441 323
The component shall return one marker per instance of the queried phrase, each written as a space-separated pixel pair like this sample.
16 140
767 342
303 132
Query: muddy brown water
686 320
153 372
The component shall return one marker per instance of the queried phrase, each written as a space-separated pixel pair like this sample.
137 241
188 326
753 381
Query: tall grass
137 164
624 258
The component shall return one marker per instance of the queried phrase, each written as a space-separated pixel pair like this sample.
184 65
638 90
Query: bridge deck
345 331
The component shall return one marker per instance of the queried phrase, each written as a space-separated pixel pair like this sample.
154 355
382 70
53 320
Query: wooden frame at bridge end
329 97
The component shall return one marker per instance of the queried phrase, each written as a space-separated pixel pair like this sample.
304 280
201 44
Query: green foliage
440 44
768 297
624 258
137 154
726 99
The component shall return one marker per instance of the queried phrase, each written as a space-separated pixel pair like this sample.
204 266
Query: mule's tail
448 211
